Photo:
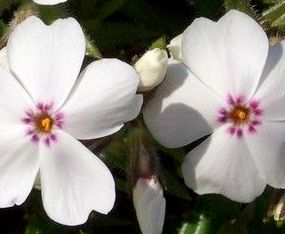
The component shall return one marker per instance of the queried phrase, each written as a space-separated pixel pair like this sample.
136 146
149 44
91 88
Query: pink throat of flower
42 122
243 116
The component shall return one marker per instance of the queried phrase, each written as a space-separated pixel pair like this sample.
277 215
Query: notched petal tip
55 53
108 87
72 186
223 165
235 13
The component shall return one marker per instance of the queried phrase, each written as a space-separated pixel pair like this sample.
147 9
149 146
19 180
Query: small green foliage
159 43
173 185
106 9
38 225
199 225
274 17
6 4
241 5
208 8
2 28
51 13
92 50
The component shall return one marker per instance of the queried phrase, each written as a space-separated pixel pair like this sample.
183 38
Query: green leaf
117 154
270 2
173 185
106 9
159 43
210 214
241 5
228 228
42 226
121 184
114 34
52 13
4 4
158 19
274 17
98 220
2 28
92 50
207 8
199 225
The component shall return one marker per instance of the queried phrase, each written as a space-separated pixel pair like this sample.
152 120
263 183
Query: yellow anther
240 114
46 124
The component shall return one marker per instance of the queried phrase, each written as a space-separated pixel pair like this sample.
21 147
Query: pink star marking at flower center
243 116
42 122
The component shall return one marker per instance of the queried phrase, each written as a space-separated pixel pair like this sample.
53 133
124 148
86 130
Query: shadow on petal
171 122
274 55
184 124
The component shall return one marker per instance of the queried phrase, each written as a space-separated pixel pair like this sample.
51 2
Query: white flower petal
47 59
182 109
150 205
228 55
3 58
14 100
271 92
223 164
103 99
74 182
19 164
49 2
268 149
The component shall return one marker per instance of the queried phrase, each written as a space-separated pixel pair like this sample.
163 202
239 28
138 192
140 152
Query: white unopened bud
49 2
175 47
151 68
150 205
3 59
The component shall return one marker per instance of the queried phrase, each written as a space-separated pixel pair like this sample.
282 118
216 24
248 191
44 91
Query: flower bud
49 2
175 47
149 204
151 68
143 161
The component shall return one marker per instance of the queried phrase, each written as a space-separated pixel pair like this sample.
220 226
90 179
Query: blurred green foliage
126 29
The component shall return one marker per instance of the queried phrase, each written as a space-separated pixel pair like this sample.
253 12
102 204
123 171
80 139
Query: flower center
240 115
42 123
243 116
46 124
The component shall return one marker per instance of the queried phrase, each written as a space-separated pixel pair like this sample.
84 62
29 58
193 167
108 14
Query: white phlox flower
149 204
45 108
49 2
225 88
152 69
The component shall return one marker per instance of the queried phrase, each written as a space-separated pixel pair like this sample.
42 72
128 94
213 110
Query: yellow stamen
240 115
46 124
